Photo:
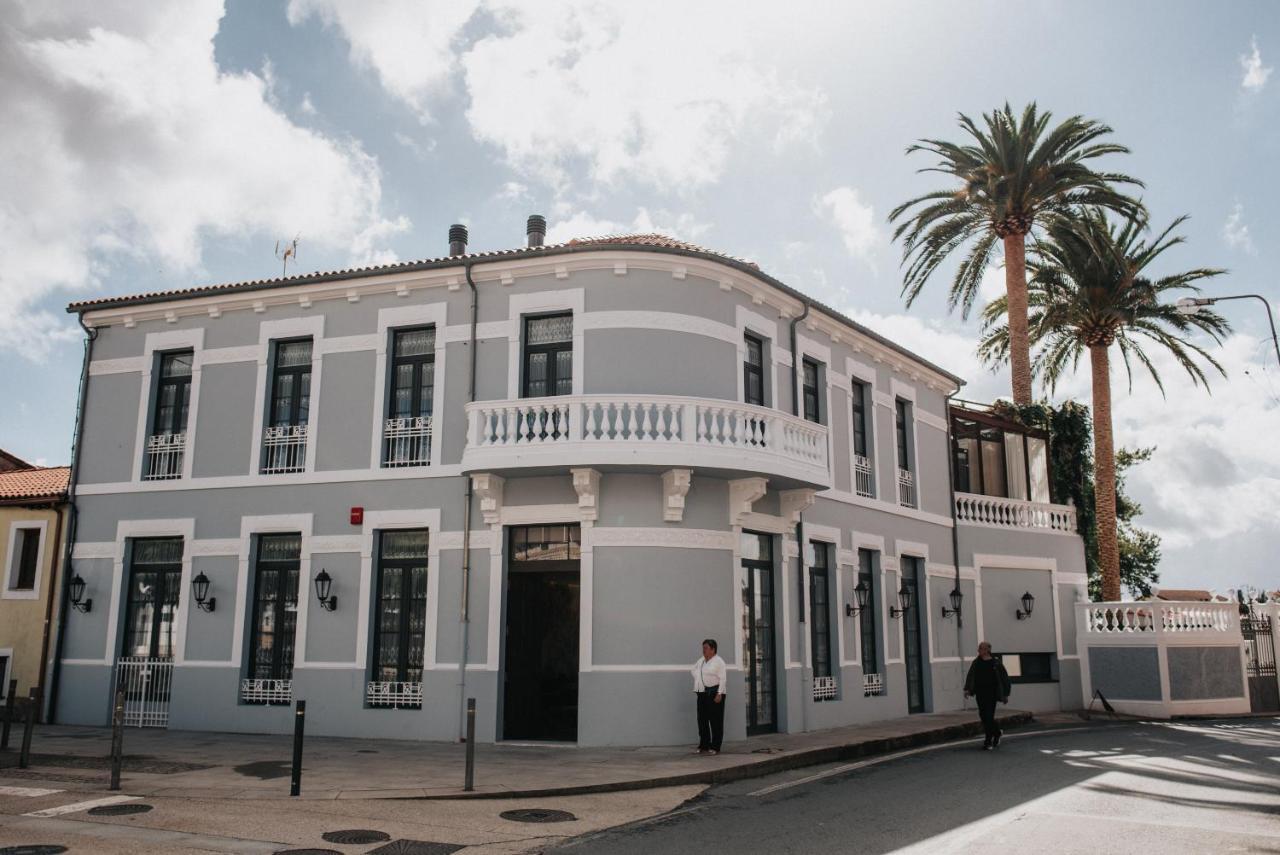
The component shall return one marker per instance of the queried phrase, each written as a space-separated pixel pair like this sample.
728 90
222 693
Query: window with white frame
868 631
400 619
274 620
820 620
167 440
407 432
25 561
548 355
810 383
863 466
903 442
289 403
753 387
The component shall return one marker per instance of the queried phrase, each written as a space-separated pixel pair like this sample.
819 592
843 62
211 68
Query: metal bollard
117 739
469 783
9 701
299 720
28 725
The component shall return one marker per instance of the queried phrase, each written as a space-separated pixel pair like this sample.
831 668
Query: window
167 442
753 372
399 637
285 440
859 394
810 371
275 608
820 608
4 674
867 617
155 585
992 457
548 355
26 557
902 417
1029 667
407 433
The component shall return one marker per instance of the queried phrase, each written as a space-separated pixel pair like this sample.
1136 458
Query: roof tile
38 483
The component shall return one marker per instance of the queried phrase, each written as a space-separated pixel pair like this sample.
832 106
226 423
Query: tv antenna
288 253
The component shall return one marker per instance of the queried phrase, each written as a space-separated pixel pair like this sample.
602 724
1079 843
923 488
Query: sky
163 145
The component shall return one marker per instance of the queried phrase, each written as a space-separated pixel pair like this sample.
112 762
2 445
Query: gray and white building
539 478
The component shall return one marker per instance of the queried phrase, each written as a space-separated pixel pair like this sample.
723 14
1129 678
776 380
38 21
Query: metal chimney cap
536 229
457 239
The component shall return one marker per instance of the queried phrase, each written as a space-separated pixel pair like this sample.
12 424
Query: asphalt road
1193 787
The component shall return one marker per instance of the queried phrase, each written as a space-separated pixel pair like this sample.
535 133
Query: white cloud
1236 232
855 220
1255 73
307 108
122 137
627 91
992 285
582 224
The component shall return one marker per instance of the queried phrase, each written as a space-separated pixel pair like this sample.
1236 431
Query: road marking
79 806
27 792
874 761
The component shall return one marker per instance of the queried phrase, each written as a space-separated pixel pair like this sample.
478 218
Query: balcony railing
906 488
1157 618
996 512
266 691
164 456
284 449
407 441
584 430
394 694
872 684
863 478
824 688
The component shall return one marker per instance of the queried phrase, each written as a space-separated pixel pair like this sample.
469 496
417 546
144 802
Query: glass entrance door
912 646
758 637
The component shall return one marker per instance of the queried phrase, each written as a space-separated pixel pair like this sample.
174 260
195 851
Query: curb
782 763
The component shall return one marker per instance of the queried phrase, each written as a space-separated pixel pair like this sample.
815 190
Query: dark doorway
759 640
913 649
540 687
1260 657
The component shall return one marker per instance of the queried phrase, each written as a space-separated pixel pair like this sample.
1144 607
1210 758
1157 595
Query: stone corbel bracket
586 482
489 488
743 493
675 486
792 503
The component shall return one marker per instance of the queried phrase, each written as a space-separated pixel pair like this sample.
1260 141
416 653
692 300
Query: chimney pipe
536 229
457 239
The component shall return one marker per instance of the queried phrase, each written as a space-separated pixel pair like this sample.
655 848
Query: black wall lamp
862 592
324 584
1028 603
957 598
905 595
76 591
200 590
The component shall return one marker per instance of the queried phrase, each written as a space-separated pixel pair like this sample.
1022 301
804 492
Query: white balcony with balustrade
999 512
716 437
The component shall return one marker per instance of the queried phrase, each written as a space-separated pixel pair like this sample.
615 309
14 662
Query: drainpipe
805 697
73 519
465 608
955 528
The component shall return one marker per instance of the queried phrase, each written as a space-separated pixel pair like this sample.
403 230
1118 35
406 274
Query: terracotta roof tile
38 483
1184 595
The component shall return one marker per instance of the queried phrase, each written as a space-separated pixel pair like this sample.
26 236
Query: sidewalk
189 764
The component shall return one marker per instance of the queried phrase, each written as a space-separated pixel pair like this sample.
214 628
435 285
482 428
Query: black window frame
299 403
858 418
811 406
422 367
167 591
551 350
180 412
405 618
277 668
969 474
1046 670
868 629
820 610
24 573
901 414
756 371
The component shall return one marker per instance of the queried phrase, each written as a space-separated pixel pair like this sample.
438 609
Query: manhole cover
118 810
537 815
353 836
34 849
415 847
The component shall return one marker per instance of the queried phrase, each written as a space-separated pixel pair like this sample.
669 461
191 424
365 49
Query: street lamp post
1191 305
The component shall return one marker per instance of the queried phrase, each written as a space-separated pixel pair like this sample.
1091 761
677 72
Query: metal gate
1260 653
145 681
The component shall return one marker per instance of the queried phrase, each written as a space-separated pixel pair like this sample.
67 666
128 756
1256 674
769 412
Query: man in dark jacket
988 682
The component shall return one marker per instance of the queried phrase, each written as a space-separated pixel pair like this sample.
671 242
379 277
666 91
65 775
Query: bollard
299 720
28 725
469 783
9 700
117 739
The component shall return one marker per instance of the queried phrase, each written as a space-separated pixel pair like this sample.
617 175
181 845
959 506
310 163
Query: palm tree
1087 292
1016 174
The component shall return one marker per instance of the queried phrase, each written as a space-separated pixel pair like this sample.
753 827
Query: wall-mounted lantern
200 590
1028 603
957 598
324 583
76 591
862 592
904 600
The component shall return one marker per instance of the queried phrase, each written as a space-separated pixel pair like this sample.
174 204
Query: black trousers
987 711
710 719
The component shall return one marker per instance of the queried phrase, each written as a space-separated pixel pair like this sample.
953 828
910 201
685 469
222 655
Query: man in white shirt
709 682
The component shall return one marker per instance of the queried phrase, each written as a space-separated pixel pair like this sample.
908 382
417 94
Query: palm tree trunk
1015 285
1104 472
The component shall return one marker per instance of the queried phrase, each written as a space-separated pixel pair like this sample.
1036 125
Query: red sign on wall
357 516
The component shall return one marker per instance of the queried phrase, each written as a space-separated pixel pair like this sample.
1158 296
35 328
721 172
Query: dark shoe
995 742
713 751
986 746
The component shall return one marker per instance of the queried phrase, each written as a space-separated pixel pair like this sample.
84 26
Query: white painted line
79 806
861 764
27 792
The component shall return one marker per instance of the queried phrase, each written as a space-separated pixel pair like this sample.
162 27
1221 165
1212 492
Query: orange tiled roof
37 483
1184 595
